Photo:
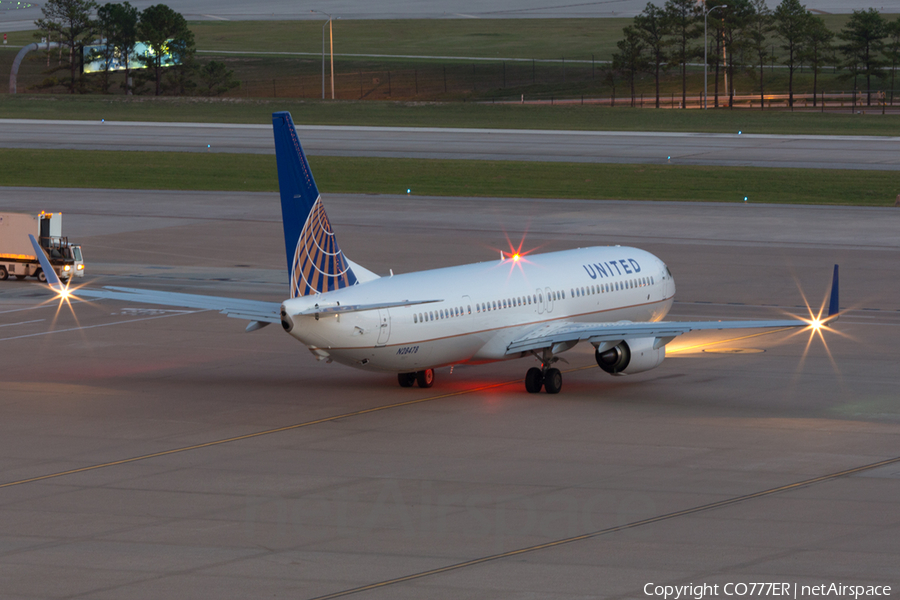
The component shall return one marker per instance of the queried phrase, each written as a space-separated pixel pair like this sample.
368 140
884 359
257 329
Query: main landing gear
425 378
547 377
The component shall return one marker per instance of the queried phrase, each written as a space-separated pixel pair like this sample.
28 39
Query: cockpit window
668 271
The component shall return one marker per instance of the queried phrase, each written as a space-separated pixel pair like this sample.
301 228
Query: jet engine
630 356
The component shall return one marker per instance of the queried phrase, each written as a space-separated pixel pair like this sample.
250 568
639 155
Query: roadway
149 453
22 19
731 149
241 10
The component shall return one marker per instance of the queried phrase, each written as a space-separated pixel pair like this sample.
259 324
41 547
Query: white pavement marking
22 323
18 337
49 305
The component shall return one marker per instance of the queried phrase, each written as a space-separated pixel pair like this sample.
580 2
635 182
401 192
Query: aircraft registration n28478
614 298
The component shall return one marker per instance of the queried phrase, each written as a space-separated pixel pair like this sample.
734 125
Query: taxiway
147 452
717 149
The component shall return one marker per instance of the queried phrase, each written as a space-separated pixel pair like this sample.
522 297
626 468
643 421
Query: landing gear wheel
534 380
552 381
3 274
41 276
406 379
425 378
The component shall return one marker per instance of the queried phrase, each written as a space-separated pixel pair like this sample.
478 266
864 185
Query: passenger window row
603 288
516 301
437 315
503 303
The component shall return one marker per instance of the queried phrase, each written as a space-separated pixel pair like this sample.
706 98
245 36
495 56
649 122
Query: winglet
833 304
52 279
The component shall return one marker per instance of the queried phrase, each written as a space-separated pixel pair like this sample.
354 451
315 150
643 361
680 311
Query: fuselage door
670 284
549 295
384 327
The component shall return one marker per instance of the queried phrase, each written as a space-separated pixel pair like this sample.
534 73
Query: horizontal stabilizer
349 308
251 310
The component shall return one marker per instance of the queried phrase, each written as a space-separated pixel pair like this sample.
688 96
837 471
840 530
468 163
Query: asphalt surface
148 453
243 10
826 152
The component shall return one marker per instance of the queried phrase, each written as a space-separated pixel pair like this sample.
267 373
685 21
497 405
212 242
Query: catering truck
17 254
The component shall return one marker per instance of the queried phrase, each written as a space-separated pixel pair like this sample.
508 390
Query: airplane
540 305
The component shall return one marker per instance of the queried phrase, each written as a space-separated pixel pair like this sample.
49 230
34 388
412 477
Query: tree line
115 29
743 34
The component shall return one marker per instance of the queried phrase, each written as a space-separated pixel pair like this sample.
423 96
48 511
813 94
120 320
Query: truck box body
14 230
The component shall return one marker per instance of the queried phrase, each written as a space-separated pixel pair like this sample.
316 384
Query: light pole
331 43
705 48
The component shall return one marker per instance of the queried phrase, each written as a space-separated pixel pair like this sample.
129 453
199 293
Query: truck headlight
67 268
80 267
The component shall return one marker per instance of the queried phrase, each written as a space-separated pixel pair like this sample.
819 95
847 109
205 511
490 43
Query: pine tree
758 32
791 20
166 34
817 49
70 21
652 26
683 18
630 58
863 38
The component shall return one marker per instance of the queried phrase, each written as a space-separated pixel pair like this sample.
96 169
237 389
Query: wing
564 335
569 333
252 310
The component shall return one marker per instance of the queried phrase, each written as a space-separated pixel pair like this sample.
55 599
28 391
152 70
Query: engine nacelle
630 356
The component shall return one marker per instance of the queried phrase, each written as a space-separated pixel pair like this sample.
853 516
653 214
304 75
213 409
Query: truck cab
74 251
60 255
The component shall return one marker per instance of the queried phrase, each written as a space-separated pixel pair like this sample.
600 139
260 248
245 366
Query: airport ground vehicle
17 256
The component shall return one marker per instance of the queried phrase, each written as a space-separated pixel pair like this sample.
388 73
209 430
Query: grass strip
547 38
257 173
458 114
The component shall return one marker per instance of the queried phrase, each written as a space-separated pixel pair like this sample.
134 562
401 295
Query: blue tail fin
314 260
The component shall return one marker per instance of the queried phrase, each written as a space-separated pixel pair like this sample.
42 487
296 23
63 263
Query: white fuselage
483 307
